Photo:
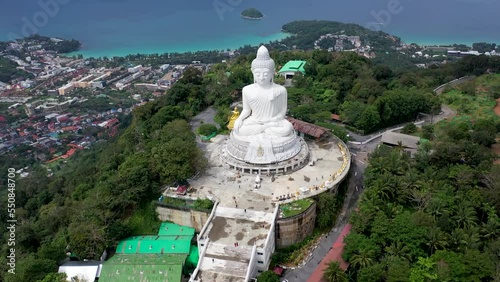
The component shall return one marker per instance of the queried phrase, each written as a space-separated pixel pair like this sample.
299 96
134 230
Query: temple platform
235 189
295 163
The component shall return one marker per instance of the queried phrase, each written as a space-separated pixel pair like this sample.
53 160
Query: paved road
324 245
360 153
207 116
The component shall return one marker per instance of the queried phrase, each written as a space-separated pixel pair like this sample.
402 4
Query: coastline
236 42
215 45
251 18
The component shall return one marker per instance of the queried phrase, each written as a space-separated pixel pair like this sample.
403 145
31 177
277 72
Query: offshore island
252 14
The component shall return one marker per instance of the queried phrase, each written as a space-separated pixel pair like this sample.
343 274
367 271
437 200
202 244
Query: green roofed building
167 228
291 68
163 257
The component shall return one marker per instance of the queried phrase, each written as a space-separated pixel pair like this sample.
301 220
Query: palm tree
392 210
386 186
399 250
333 273
363 258
435 239
464 215
400 148
457 239
420 198
471 237
436 208
491 229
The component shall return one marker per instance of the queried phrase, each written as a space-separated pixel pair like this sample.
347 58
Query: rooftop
394 138
85 270
151 268
231 225
233 233
167 228
164 244
293 66
307 128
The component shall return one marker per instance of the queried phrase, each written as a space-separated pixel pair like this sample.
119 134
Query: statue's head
263 67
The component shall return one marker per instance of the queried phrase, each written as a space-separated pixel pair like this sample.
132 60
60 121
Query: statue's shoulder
279 89
248 89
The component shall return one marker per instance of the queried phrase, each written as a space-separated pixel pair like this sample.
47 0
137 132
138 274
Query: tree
268 276
327 209
435 239
398 270
206 129
30 268
222 116
54 277
427 131
464 215
363 258
372 273
423 270
409 128
398 250
333 273
369 119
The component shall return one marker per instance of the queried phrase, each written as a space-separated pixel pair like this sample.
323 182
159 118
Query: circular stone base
283 167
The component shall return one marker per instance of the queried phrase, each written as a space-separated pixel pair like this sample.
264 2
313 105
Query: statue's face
262 76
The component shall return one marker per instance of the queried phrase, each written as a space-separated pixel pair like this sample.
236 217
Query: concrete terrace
232 225
331 165
232 235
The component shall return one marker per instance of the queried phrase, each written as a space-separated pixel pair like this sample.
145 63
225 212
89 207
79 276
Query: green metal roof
153 258
155 245
167 228
294 66
192 259
151 268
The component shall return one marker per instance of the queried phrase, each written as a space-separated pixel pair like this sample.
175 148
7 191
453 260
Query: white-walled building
135 69
235 245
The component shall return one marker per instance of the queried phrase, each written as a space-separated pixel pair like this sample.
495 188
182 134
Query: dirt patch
497 108
252 241
259 225
217 233
239 236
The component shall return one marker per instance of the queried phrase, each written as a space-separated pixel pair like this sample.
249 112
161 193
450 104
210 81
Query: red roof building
69 128
306 128
336 117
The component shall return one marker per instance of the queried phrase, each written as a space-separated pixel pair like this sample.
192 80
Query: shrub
206 129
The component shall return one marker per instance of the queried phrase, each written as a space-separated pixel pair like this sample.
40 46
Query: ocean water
120 27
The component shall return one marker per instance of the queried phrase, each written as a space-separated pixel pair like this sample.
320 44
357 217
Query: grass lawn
295 207
479 105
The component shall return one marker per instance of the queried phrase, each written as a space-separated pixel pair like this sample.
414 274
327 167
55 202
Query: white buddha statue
264 102
261 133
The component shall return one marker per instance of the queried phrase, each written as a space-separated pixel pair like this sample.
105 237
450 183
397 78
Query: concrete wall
186 217
294 229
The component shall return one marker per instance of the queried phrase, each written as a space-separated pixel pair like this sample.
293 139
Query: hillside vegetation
435 217
104 194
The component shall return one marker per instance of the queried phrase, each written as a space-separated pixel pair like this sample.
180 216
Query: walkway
335 254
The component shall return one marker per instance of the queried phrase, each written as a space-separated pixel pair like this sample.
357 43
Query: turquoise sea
120 27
